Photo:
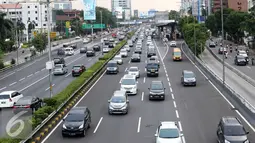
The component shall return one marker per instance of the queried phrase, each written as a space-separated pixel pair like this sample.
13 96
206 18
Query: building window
36 24
35 12
36 18
35 6
28 12
28 18
44 24
28 6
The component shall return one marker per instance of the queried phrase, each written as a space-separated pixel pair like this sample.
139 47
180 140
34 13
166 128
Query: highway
248 69
196 109
36 83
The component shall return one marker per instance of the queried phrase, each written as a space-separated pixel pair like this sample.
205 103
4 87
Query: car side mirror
109 101
127 101
247 133
156 135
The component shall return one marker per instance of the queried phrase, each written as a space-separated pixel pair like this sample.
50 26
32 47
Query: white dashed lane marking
177 114
21 79
12 83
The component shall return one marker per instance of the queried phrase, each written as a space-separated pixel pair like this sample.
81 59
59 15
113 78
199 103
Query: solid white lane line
177 114
139 125
37 72
172 96
54 129
29 75
180 125
183 139
3 88
12 83
158 52
145 69
68 74
98 124
49 87
144 79
142 96
171 89
7 75
43 69
174 104
166 51
21 79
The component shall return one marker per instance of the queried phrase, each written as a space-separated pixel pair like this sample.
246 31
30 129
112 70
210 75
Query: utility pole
101 22
222 34
49 44
92 31
16 32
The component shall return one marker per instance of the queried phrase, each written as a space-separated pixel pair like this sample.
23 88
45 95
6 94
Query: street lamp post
16 32
101 22
222 34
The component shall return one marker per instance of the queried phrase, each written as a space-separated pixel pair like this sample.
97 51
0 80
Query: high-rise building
251 3
125 4
217 4
238 5
136 13
62 5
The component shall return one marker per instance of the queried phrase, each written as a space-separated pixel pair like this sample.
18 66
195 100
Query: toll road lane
247 70
201 107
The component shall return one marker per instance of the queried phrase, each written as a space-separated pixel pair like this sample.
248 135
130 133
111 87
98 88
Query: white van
129 84
69 51
130 43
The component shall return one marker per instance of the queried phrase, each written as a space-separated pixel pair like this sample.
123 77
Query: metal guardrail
53 114
242 102
32 58
239 73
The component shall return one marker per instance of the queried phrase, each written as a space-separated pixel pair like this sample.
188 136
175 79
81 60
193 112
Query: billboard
127 14
89 8
143 14
118 12
238 5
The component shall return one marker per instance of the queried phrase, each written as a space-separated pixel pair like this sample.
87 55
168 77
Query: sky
141 5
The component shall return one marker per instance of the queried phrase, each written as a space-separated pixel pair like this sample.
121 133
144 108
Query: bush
7 140
41 114
13 61
1 64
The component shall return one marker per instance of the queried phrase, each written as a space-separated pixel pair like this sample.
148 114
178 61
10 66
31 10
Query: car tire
83 133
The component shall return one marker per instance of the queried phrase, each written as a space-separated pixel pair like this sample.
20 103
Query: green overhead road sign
95 26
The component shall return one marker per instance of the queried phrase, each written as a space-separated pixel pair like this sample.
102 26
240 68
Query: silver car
188 78
134 71
118 59
119 103
59 69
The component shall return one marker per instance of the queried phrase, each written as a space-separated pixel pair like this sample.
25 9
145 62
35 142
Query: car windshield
112 64
76 67
168 133
177 53
240 57
135 56
118 99
128 82
75 118
133 69
156 86
242 52
234 131
152 66
83 48
58 66
189 75
56 60
3 96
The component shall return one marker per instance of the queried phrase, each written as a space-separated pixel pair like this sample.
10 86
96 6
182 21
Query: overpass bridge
167 28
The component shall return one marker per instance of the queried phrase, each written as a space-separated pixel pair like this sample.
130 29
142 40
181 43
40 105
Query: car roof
133 68
112 61
77 65
7 92
119 93
230 120
157 82
187 71
168 125
128 76
78 110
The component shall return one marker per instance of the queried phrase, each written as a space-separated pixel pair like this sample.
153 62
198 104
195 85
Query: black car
59 61
106 42
83 50
151 52
152 68
157 90
231 130
111 45
136 58
96 48
212 45
240 60
111 40
90 53
77 122
61 52
138 51
78 70
27 103
112 67
74 46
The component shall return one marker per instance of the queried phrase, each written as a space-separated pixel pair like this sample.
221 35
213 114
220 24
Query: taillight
80 70
10 99
28 106
14 107
72 70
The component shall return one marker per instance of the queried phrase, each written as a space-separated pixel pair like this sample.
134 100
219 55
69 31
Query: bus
177 54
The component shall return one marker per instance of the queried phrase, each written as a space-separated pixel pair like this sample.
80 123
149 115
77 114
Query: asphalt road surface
34 80
197 109
248 69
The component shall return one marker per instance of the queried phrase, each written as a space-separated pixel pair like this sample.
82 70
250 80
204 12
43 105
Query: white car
8 98
86 40
149 43
130 43
173 44
106 50
118 59
129 84
77 37
66 44
134 71
69 51
244 54
123 53
139 45
127 48
168 132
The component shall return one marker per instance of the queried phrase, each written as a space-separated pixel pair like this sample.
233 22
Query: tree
186 20
60 12
76 25
40 41
210 23
174 15
217 14
60 26
6 26
249 23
